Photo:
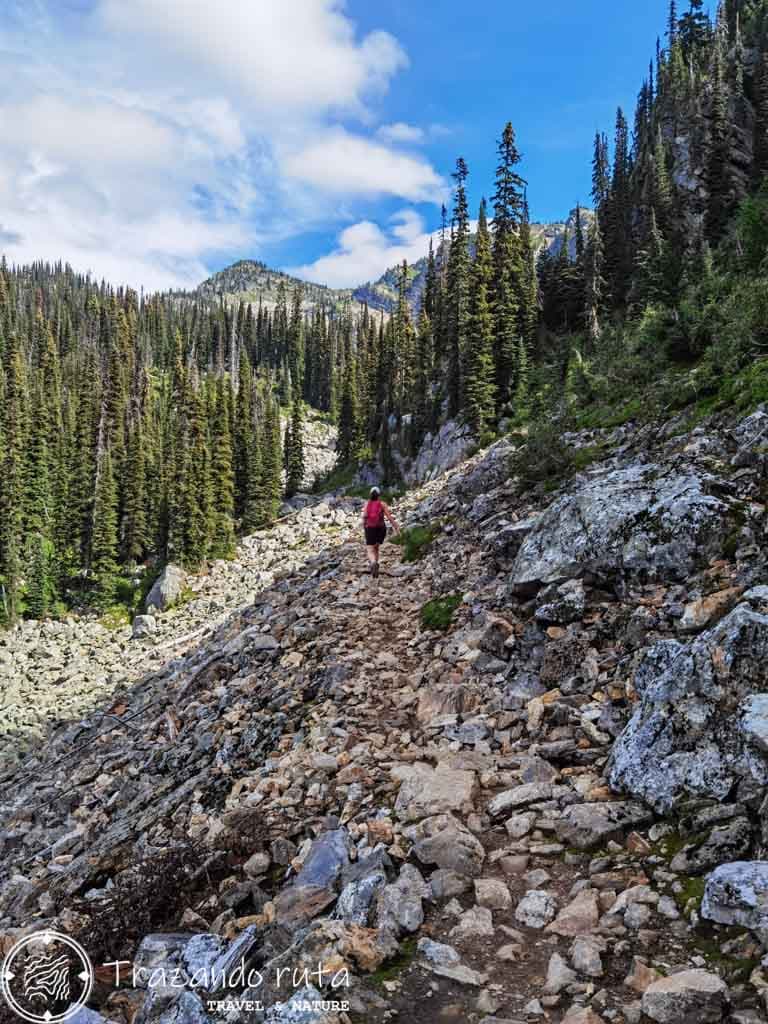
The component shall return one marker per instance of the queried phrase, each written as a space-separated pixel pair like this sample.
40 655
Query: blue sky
154 141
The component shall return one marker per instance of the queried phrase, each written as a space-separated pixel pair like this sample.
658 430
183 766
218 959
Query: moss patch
392 968
438 613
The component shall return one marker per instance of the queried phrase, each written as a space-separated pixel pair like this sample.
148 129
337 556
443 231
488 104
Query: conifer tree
594 284
348 443
479 386
135 541
223 477
509 271
295 450
104 542
271 460
457 291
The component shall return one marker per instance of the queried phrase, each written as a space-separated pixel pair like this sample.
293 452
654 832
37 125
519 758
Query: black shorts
375 534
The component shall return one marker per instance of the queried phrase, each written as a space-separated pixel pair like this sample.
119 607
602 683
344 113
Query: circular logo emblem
46 978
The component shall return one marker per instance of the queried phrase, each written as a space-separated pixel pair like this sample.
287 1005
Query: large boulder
688 997
166 589
636 521
700 727
444 841
737 894
425 791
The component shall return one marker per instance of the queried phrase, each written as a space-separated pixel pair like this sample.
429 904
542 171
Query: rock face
624 523
737 894
699 728
440 452
166 589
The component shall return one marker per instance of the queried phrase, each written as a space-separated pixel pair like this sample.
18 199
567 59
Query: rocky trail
551 809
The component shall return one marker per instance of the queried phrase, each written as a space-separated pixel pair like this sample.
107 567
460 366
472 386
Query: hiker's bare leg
373 553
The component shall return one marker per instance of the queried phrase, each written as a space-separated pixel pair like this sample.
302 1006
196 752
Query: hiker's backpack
374 514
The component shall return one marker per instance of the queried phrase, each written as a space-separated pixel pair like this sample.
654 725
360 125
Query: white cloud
346 164
401 132
144 140
293 55
364 251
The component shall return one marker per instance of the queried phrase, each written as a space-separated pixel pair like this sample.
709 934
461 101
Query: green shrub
416 541
438 613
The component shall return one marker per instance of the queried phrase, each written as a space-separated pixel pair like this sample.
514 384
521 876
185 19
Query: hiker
374 514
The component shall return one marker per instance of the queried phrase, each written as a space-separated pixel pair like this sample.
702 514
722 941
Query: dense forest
137 430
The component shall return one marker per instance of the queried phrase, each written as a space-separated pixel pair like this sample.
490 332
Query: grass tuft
438 613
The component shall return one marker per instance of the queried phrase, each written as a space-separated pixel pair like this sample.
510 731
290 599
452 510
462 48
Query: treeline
143 430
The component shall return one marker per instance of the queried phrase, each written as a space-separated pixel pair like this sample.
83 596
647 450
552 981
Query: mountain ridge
255 281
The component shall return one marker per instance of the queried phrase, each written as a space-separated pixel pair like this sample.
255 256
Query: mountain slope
341 767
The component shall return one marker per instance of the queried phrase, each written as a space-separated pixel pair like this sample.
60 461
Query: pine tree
510 281
40 586
457 291
348 443
136 542
271 460
479 388
222 476
196 496
594 284
104 544
422 398
522 399
295 452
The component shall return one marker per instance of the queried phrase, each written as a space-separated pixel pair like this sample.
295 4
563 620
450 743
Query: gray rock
161 949
491 893
171 1006
737 894
144 625
565 605
328 857
536 909
627 521
438 952
588 825
689 997
559 975
201 952
166 589
398 905
440 452
238 949
698 728
585 955
425 791
444 841
357 898
474 923
528 793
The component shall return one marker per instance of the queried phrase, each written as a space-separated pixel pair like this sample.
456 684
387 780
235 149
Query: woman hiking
374 514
